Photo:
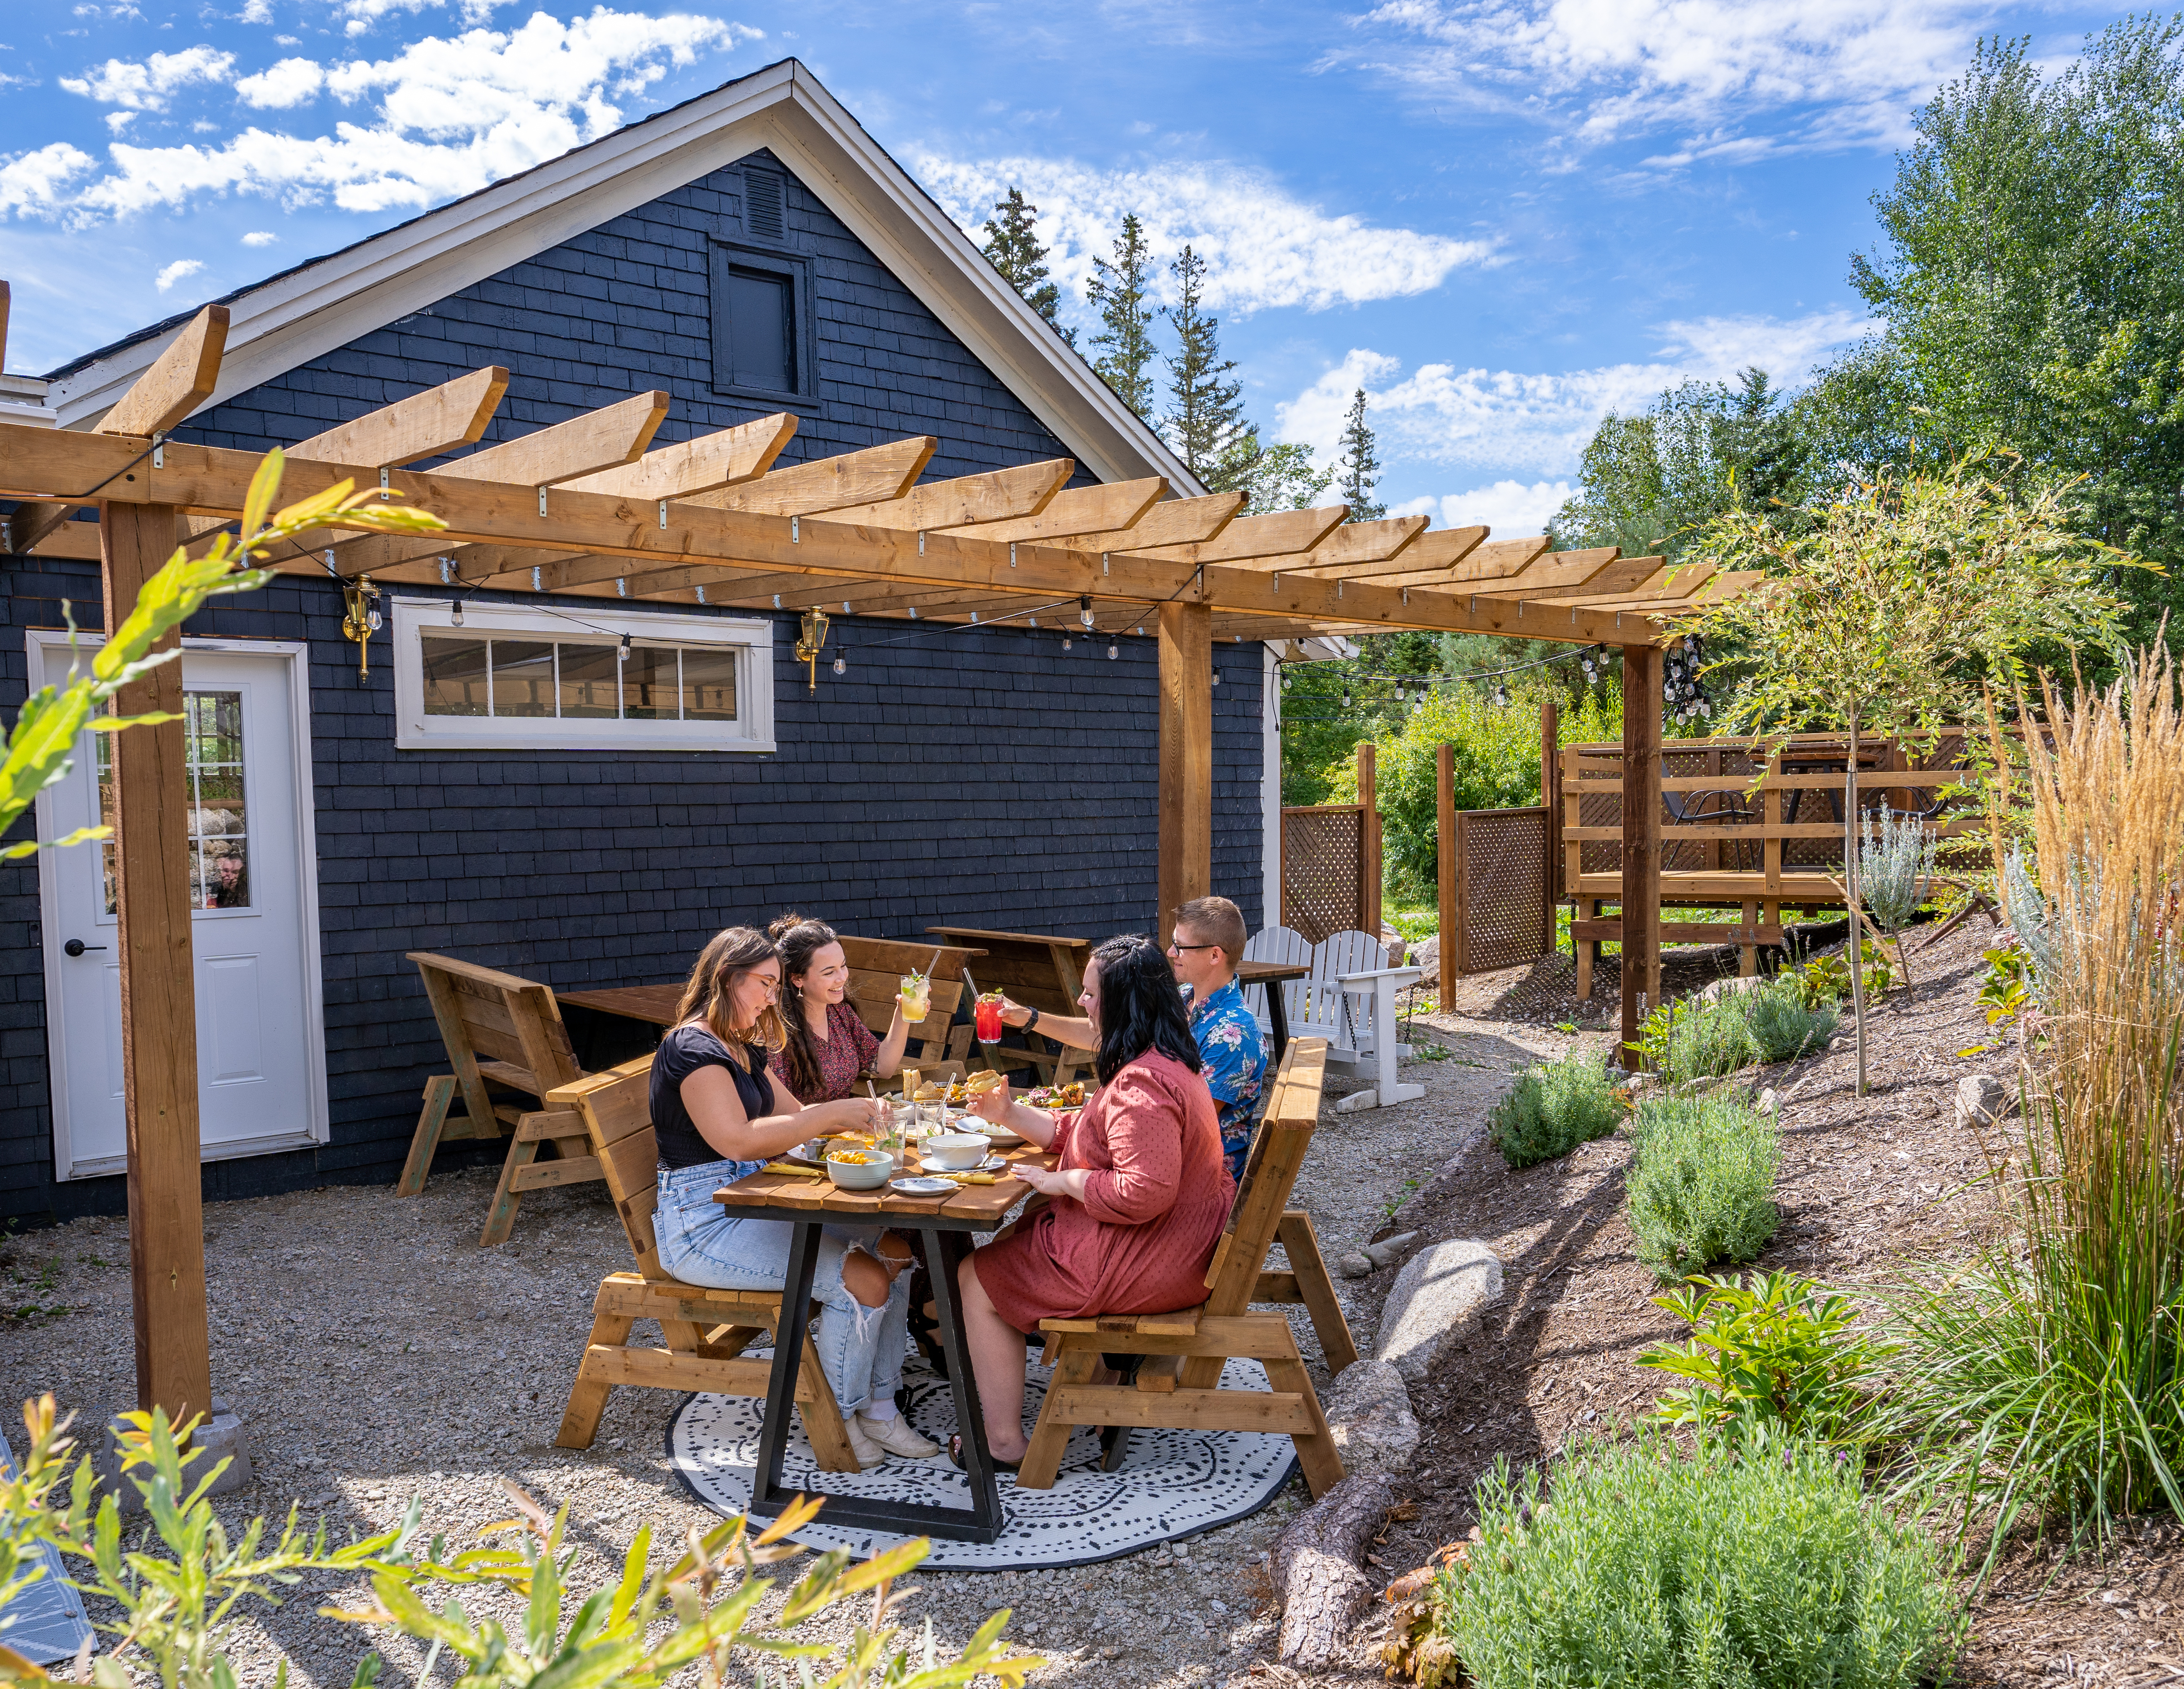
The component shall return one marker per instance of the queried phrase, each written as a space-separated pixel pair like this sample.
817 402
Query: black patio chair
1723 807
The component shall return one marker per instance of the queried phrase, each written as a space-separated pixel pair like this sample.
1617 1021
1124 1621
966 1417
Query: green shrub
1780 1351
1739 1567
1707 1040
1783 1027
1700 1189
1554 1108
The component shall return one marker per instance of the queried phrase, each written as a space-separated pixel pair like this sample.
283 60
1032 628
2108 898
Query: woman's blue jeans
860 1349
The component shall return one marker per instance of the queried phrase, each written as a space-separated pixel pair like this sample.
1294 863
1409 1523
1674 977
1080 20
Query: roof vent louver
762 206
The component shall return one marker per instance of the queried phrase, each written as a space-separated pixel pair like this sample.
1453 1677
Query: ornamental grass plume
2046 1380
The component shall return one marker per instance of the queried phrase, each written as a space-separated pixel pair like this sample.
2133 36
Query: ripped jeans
860 1349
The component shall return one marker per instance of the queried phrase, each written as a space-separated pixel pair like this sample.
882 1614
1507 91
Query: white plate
990 1165
924 1187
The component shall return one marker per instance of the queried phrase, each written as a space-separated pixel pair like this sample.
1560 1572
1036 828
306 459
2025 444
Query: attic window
763 339
763 213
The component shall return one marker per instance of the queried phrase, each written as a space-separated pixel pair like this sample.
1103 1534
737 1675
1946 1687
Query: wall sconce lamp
360 620
812 640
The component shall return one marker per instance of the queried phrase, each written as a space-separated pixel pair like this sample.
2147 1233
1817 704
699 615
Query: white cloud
260 237
1538 424
146 87
291 82
36 182
255 12
1262 246
1708 65
1513 509
180 270
451 115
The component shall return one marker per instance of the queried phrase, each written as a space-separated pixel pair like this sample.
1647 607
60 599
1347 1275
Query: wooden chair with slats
1178 1385
705 1331
503 1034
876 969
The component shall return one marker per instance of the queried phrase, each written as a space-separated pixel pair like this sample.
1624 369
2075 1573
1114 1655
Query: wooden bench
705 1331
1177 1386
500 1032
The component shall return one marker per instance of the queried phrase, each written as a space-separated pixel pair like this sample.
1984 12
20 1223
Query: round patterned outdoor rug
1171 1484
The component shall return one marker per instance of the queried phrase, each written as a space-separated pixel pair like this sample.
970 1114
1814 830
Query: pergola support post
1369 837
158 1001
1186 757
1445 864
1640 969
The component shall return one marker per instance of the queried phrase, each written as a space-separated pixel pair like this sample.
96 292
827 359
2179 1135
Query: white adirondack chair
1281 945
1353 997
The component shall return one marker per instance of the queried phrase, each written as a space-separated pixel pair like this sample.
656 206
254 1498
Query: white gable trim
295 318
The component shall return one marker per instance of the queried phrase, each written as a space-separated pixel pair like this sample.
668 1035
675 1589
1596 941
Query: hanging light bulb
455 616
841 664
622 656
1214 679
1065 642
1113 653
1346 698
1084 612
1502 696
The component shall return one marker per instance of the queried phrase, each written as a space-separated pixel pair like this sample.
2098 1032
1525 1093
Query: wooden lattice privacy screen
1505 890
1323 852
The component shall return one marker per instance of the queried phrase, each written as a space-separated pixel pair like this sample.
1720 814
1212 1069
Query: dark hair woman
828 1044
1140 1191
718 1115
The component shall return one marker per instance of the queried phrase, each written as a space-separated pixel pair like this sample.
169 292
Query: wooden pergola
583 508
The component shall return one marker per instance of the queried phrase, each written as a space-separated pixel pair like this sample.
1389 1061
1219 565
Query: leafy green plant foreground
1553 1108
1701 1189
1777 1351
1754 1562
178 1584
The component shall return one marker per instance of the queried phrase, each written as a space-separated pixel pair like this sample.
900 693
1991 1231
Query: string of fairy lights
1684 696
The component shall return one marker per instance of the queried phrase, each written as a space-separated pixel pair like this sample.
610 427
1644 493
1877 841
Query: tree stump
1315 1564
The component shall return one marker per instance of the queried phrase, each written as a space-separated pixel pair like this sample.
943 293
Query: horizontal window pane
709 684
649 685
454 676
588 675
522 678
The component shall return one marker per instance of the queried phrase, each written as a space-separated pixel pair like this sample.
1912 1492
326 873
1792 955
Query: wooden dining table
943 1225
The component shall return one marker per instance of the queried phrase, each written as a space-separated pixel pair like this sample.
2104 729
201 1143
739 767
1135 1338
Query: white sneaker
894 1435
869 1453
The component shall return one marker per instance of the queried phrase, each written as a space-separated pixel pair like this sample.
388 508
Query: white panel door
260 1085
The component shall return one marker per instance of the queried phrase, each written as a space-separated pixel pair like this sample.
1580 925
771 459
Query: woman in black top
718 1115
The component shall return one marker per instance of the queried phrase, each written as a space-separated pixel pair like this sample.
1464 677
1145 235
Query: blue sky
1501 219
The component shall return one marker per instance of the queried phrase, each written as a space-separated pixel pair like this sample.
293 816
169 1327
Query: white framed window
508 677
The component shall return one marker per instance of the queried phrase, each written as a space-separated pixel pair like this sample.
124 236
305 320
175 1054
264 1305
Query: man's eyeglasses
1175 949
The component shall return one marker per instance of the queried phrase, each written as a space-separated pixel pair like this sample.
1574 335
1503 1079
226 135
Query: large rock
1981 1099
1731 985
1425 957
1437 1297
1368 1412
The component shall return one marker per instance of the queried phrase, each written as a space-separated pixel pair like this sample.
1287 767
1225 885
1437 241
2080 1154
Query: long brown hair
711 995
796 941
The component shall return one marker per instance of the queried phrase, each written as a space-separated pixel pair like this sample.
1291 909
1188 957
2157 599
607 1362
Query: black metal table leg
1278 1020
767 1497
978 1460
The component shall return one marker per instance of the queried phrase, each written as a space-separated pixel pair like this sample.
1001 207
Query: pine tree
1206 412
1120 291
1360 464
1012 248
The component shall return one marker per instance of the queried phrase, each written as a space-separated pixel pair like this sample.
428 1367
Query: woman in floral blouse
828 1044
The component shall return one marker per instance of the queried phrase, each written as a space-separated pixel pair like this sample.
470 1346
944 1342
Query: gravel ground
377 1352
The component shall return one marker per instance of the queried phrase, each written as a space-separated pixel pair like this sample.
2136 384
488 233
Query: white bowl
960 1151
865 1175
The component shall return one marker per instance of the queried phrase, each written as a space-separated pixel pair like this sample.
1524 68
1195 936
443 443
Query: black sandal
955 1457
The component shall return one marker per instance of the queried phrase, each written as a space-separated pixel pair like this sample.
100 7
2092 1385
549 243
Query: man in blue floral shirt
1208 945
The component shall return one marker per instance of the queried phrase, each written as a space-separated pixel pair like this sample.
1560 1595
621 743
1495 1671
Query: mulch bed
1867 1185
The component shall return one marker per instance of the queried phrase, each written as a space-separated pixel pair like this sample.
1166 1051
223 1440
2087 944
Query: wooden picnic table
944 1226
1273 975
1042 971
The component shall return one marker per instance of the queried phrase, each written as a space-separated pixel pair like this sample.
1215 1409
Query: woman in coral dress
1139 1196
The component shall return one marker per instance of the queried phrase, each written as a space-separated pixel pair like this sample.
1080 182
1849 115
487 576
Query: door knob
77 947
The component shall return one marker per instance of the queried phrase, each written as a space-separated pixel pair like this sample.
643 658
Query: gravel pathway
377 1352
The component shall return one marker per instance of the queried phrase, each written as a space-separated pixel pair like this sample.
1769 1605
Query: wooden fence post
1641 842
1368 839
1445 860
158 996
1550 795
